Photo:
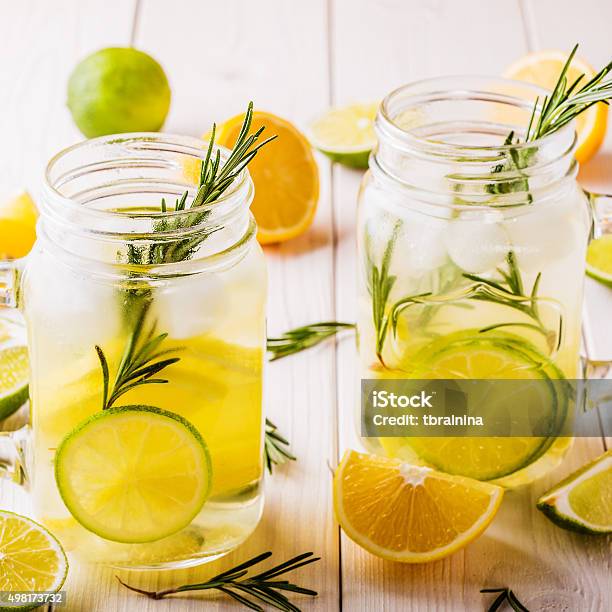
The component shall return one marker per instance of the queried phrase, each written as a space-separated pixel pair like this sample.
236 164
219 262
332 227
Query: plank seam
529 25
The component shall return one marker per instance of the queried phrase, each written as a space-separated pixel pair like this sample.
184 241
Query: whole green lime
118 90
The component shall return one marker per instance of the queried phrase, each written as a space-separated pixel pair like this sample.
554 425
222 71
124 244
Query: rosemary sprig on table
505 595
249 590
301 338
276 447
380 283
140 362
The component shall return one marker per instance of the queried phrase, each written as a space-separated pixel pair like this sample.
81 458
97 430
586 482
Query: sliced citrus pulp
599 259
583 501
18 215
470 355
346 134
31 559
543 68
409 513
134 474
285 175
14 374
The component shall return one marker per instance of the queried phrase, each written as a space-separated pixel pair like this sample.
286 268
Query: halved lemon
285 175
18 215
31 559
134 474
543 68
408 513
346 134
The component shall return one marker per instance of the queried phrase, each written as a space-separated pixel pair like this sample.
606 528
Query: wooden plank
218 57
548 567
40 44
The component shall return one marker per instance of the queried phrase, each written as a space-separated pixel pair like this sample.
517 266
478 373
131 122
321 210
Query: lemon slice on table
134 474
14 375
408 513
599 259
31 559
18 215
469 355
285 175
583 501
346 134
543 68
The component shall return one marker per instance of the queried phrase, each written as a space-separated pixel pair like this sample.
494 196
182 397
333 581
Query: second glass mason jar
108 262
472 256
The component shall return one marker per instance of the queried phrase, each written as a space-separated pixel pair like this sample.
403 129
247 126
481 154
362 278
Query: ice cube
477 241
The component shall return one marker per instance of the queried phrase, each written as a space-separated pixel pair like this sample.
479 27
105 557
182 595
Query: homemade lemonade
471 266
147 338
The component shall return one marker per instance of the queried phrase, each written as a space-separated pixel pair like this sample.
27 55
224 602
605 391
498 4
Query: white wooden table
296 58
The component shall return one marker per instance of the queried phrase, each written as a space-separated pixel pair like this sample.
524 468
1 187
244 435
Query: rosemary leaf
301 338
248 590
276 447
505 595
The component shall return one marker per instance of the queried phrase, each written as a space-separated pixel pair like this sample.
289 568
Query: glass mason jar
107 260
472 259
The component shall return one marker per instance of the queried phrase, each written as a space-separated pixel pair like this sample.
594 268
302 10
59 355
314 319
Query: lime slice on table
31 559
14 374
346 135
599 259
470 355
583 501
134 473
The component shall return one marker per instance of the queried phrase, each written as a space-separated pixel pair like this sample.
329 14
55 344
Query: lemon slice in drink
583 501
599 259
408 513
470 355
346 134
31 559
134 474
14 373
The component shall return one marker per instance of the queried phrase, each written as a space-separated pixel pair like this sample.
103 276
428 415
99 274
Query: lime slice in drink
346 135
470 355
583 501
599 259
31 559
134 474
14 373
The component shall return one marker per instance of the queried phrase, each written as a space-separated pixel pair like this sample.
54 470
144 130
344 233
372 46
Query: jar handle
13 455
601 215
10 273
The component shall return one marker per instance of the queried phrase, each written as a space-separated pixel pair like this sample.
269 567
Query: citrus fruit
285 175
346 134
18 217
409 513
599 259
14 374
156 476
467 356
583 501
543 68
118 90
31 559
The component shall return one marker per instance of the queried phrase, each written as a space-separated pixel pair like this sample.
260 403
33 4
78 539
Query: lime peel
599 259
14 374
586 491
157 474
31 553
